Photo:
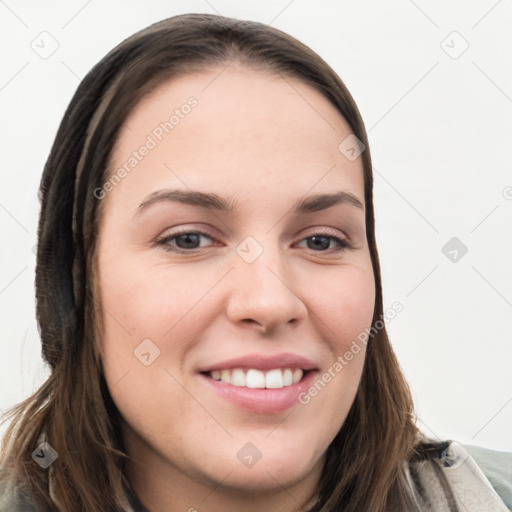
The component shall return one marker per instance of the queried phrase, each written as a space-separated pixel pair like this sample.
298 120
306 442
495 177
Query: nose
264 292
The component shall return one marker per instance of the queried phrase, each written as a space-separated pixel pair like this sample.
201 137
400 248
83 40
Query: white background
440 134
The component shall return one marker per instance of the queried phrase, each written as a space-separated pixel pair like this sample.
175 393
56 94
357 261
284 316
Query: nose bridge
263 288
259 260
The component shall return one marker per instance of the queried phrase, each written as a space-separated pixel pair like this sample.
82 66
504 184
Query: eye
186 241
320 242
190 242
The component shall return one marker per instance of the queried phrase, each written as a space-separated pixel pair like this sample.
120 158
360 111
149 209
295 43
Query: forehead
235 127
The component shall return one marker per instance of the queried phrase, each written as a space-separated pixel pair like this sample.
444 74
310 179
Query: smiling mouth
257 379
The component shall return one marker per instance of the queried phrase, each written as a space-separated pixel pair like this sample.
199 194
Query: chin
270 473
265 479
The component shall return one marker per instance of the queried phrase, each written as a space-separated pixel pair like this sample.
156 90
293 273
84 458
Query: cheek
342 308
148 329
167 305
148 301
344 304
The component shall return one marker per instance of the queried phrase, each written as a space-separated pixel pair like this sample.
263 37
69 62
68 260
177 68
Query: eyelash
164 242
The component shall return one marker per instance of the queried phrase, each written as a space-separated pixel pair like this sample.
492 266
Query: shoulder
497 468
15 505
444 474
12 500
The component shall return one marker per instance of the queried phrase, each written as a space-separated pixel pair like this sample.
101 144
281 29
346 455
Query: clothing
480 479
497 467
471 483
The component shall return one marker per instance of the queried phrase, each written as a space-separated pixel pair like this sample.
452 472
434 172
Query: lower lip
262 401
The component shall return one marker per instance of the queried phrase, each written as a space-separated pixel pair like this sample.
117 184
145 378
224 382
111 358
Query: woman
209 296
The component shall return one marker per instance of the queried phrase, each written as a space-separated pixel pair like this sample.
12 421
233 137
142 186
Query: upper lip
263 362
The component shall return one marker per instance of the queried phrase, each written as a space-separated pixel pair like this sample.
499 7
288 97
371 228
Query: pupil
187 237
324 245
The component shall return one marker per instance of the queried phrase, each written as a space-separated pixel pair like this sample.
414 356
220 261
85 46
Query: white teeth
256 379
274 379
225 376
238 377
297 375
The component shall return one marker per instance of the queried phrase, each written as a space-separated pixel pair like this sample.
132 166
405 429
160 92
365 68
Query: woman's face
257 293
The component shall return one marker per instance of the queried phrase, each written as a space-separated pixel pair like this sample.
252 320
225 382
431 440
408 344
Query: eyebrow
213 201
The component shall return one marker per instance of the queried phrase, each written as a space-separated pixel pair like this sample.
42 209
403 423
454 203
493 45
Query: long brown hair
364 467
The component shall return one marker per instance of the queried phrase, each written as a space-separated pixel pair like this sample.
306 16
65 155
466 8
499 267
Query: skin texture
265 142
